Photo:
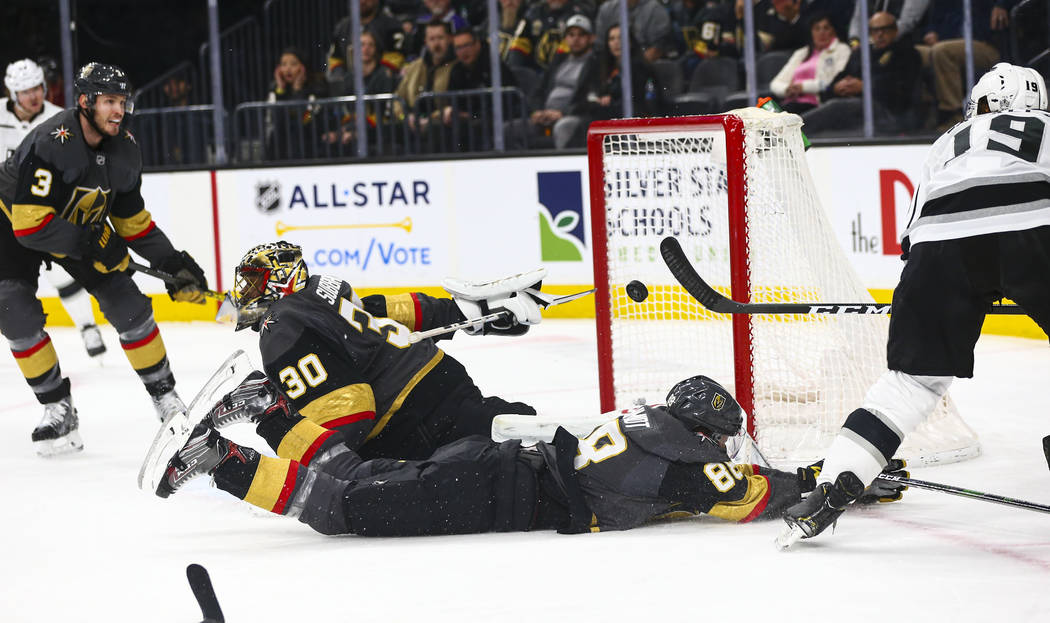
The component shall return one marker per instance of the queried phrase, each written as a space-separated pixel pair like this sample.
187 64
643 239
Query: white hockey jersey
13 129
988 174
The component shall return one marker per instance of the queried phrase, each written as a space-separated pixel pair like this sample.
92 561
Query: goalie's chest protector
351 345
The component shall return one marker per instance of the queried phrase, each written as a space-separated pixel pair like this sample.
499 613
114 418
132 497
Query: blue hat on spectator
581 22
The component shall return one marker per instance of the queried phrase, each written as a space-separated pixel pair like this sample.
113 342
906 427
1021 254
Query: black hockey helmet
96 79
705 406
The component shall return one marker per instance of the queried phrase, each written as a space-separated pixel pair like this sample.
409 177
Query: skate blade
67 444
790 535
169 439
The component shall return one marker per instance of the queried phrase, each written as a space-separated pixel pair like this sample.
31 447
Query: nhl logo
718 402
268 195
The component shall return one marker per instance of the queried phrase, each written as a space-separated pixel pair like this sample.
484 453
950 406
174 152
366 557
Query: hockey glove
807 476
106 251
190 282
884 490
507 295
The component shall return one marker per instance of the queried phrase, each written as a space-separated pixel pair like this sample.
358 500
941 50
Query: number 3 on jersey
604 442
310 373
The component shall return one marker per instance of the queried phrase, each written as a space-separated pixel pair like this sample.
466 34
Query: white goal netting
802 374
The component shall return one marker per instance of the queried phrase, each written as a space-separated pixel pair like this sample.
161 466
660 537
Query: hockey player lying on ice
645 463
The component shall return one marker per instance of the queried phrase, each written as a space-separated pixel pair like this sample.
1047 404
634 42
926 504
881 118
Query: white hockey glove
476 300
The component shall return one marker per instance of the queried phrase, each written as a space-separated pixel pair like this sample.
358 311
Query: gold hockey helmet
266 273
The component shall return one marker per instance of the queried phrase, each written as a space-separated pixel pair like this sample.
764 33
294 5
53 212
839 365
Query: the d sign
887 179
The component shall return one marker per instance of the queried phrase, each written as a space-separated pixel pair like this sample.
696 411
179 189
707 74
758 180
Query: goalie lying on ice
649 462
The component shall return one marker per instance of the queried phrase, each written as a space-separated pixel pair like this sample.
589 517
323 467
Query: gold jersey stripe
39 362
402 308
28 215
347 400
404 394
130 227
301 438
268 482
757 488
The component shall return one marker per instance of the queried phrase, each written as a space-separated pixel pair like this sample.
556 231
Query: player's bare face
109 112
31 100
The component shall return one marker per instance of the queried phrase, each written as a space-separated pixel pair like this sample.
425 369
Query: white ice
81 543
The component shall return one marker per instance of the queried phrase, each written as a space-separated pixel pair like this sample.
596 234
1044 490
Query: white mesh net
808 371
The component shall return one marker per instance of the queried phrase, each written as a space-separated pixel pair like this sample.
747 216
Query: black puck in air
637 291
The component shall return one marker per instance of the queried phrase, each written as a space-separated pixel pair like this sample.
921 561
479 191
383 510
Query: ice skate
57 433
255 398
93 343
820 509
168 404
204 451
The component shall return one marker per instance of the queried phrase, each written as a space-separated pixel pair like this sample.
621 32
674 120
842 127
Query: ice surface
81 543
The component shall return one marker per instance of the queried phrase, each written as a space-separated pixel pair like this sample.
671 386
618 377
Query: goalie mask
706 407
1007 87
264 275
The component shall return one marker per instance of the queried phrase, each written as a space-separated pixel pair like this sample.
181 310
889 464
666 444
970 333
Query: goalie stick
544 300
202 589
169 278
707 296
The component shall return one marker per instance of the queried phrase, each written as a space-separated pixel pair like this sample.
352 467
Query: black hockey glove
103 248
884 490
190 282
807 476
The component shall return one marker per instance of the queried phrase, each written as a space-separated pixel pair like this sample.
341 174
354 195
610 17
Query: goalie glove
884 490
506 295
190 282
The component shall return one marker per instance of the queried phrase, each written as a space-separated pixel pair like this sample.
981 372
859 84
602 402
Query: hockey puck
637 291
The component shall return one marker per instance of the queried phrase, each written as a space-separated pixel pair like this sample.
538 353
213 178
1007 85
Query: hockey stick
170 279
966 493
699 289
202 589
545 300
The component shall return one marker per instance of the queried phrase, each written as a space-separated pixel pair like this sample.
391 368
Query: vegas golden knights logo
718 402
86 206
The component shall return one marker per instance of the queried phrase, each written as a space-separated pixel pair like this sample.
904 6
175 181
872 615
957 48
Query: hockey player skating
70 174
23 110
348 365
979 231
647 462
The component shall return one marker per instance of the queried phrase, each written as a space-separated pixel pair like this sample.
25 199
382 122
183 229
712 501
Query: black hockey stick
170 279
687 276
966 493
202 589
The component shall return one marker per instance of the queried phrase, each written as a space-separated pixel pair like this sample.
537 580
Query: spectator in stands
176 92
56 91
895 71
435 10
542 38
650 27
377 80
566 85
944 50
386 31
290 134
779 24
515 47
430 72
908 13
607 101
708 29
467 118
811 69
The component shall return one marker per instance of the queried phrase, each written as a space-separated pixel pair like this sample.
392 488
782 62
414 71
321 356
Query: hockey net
736 192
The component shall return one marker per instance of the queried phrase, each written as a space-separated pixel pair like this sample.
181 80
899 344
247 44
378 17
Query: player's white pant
74 297
894 406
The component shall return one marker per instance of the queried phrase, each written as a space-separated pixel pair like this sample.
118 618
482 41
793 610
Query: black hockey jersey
347 365
645 464
55 185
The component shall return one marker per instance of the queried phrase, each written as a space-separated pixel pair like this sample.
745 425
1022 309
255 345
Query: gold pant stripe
300 439
269 483
38 363
147 352
131 227
378 428
356 398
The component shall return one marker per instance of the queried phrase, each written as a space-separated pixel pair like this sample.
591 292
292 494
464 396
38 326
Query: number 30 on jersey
308 372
